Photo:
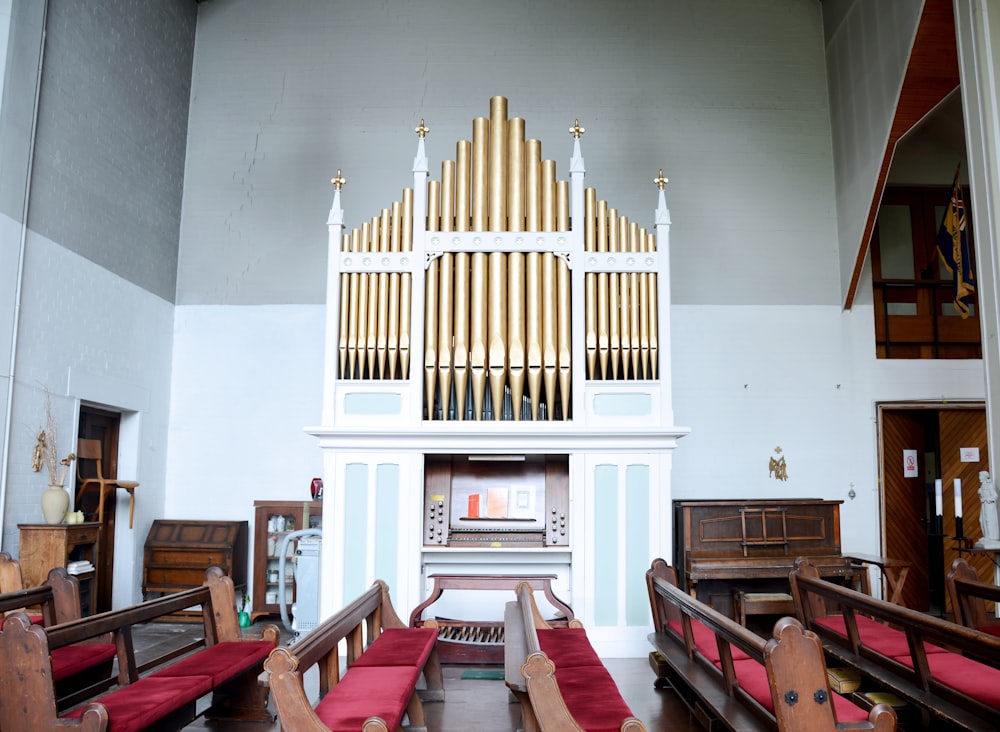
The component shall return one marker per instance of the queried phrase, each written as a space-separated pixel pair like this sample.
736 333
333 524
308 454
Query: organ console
722 546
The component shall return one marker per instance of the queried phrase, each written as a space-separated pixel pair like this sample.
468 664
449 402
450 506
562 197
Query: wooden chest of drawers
177 553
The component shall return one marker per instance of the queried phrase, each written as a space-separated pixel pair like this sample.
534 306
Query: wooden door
958 429
938 435
100 424
905 510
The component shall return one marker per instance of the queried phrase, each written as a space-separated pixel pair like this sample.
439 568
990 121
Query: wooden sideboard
177 553
44 546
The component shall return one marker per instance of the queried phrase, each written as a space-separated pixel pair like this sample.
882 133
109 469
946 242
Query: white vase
55 503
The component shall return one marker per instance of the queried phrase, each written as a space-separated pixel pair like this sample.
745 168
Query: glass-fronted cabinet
273 521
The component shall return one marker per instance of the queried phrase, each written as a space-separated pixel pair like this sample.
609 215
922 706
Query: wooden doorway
103 425
940 435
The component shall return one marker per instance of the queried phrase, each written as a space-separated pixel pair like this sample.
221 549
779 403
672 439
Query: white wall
246 381
87 335
729 98
750 379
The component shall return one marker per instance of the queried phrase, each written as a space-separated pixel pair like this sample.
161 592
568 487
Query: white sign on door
910 464
969 454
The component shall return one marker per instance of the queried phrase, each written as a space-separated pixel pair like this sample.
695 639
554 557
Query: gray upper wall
729 97
111 134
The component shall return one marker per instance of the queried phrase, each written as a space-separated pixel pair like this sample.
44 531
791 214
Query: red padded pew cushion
71 660
704 640
137 706
399 647
592 698
221 662
567 647
367 691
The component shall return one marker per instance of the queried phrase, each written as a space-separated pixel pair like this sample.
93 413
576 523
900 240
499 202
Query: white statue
988 518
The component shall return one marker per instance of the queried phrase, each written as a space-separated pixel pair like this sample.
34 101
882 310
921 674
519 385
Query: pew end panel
732 679
936 666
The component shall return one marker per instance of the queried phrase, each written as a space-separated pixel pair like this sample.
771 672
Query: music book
496 502
843 680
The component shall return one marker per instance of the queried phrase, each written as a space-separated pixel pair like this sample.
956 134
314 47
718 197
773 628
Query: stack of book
843 680
80 567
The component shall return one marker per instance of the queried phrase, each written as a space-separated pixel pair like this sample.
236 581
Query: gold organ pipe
603 328
614 297
498 164
497 329
393 344
477 281
480 173
550 358
477 330
533 272
516 326
516 323
352 327
461 311
533 185
463 178
463 214
644 308
635 304
515 174
533 328
548 190
590 288
382 340
653 313
445 320
431 297
363 278
345 304
405 286
622 302
564 307
371 333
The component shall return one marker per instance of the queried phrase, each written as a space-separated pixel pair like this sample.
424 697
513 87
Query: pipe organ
503 316
497 321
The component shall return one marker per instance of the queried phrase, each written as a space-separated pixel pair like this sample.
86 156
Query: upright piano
724 545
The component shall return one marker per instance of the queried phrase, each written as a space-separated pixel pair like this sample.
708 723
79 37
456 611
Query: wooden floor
482 704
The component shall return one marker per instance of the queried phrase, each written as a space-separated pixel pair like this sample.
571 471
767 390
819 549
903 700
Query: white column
977 25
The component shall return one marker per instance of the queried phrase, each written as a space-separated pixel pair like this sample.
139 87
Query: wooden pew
969 596
733 678
222 664
928 662
557 676
79 670
384 660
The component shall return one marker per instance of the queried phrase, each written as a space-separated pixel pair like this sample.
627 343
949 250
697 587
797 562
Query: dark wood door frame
102 424
936 430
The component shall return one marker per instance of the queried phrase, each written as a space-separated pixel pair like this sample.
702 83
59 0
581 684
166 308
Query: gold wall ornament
39 452
777 467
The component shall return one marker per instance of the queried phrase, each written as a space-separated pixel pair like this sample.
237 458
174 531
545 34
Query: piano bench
761 603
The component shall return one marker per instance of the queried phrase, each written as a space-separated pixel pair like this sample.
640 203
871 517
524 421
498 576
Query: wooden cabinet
44 546
177 553
273 521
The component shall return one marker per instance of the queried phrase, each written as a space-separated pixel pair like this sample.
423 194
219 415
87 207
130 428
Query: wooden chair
761 603
91 451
